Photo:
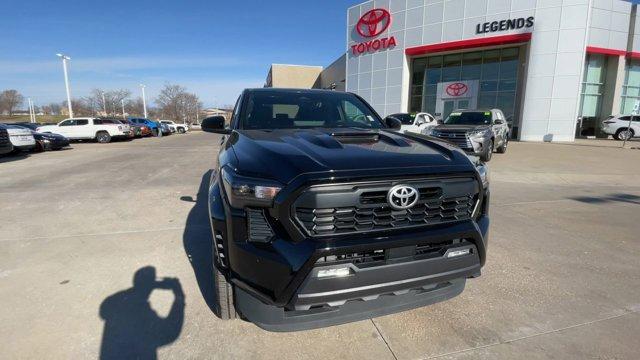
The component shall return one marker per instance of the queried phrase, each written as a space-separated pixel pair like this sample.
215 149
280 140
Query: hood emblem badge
403 197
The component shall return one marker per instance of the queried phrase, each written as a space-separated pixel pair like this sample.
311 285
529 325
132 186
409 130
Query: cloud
212 92
120 64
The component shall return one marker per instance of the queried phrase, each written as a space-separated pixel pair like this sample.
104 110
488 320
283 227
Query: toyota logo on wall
402 197
373 22
457 89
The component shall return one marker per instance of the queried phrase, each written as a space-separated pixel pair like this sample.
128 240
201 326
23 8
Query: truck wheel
181 130
488 152
503 148
224 296
624 134
103 137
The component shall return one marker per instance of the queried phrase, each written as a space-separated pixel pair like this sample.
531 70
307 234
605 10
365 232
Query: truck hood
286 153
461 128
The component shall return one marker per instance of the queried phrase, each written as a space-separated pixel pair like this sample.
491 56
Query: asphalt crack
383 339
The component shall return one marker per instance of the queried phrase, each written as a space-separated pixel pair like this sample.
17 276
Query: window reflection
496 69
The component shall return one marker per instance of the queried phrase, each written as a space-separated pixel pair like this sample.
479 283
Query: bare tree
134 107
107 102
175 103
10 100
80 107
51 109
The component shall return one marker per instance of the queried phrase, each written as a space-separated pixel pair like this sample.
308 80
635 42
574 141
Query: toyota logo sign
373 22
457 89
402 197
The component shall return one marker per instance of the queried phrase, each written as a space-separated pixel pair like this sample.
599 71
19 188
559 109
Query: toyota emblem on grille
402 197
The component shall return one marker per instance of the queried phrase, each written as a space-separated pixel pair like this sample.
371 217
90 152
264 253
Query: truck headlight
244 191
478 135
483 171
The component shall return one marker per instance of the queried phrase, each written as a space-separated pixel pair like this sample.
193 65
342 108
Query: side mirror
214 124
393 123
498 122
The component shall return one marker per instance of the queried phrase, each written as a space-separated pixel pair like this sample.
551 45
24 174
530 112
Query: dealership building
554 67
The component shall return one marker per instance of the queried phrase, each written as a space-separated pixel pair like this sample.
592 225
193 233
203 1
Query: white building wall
553 70
554 76
609 25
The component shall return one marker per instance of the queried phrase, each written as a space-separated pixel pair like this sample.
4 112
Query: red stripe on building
468 44
633 55
604 51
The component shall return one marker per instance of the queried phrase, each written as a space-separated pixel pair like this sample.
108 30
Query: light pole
33 110
31 115
104 104
123 116
65 58
144 101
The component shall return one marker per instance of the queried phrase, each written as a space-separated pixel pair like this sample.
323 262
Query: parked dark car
136 129
322 213
477 132
166 130
5 144
45 141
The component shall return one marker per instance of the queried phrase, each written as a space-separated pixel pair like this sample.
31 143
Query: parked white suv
618 126
180 128
416 123
102 130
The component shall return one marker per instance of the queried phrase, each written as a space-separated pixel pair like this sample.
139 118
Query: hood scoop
356 137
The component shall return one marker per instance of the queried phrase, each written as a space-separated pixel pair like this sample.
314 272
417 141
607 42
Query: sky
214 48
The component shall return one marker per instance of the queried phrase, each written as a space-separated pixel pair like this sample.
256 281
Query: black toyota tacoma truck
322 213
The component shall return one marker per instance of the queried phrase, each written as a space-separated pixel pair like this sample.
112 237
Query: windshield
267 110
405 119
469 118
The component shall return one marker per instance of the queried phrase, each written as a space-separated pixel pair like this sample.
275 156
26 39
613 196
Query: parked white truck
101 130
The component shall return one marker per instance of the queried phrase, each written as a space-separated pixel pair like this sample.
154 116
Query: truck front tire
487 152
503 148
225 309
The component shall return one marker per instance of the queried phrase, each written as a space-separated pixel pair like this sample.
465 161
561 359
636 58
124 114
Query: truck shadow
619 197
197 241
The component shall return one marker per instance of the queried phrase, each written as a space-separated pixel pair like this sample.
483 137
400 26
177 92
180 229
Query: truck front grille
329 221
459 138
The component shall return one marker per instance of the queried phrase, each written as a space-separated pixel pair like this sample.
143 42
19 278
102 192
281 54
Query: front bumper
55 144
277 287
25 147
367 292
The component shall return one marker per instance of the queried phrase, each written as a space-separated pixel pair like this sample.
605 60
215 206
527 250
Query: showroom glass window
593 85
497 71
631 87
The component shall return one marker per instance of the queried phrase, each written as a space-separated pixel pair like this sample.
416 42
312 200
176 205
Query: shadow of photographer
132 329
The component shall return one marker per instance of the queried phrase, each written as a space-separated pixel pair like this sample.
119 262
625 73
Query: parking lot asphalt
562 278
